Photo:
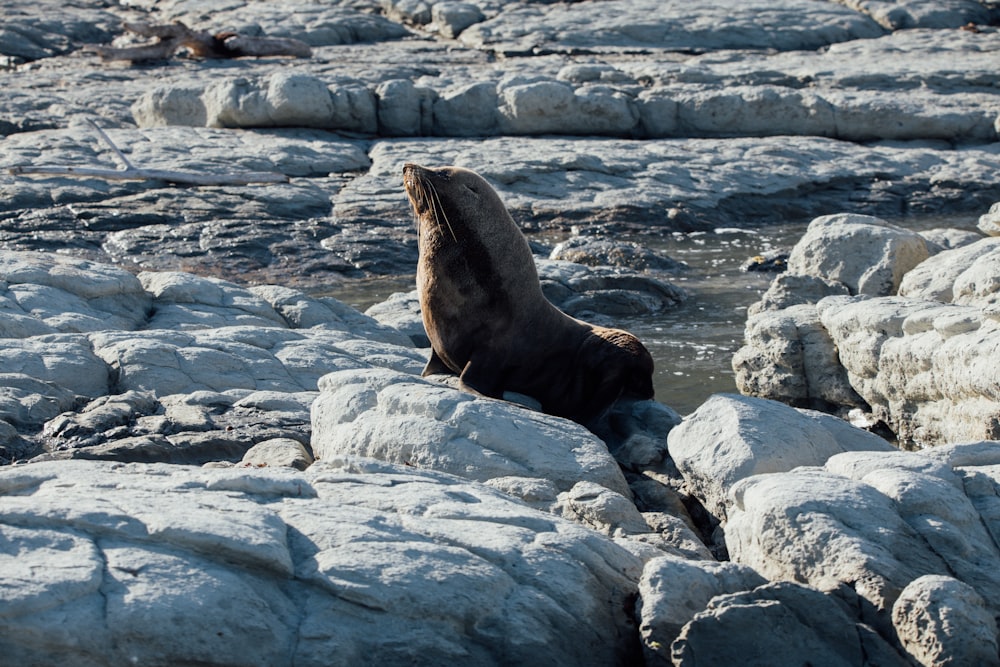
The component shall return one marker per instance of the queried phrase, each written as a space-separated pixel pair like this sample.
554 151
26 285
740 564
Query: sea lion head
446 200
633 360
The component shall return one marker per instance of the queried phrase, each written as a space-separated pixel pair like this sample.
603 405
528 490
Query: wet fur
487 318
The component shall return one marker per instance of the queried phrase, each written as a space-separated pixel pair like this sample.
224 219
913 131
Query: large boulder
940 620
46 293
672 590
937 278
401 418
873 520
789 356
927 369
730 438
108 564
989 222
780 624
866 254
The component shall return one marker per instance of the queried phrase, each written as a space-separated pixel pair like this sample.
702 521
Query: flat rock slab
674 25
693 102
167 565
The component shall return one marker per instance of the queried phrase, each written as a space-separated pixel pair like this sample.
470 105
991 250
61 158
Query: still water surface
692 344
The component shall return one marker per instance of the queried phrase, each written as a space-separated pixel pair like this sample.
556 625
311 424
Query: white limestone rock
865 253
451 18
917 14
107 564
730 438
187 301
47 293
936 278
603 510
673 25
789 356
278 452
877 521
824 528
672 590
940 620
241 358
403 419
554 107
927 369
45 375
989 222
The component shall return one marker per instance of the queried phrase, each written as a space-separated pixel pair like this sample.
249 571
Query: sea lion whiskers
426 197
436 206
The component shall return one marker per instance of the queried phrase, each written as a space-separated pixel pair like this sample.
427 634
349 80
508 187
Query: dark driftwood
202 44
130 172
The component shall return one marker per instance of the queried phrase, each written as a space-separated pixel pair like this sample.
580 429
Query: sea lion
486 316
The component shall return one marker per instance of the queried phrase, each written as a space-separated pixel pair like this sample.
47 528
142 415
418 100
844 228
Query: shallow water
693 344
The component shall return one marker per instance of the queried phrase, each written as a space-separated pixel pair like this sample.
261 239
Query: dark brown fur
485 314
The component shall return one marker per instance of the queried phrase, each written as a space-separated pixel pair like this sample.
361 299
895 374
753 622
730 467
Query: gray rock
883 520
901 360
636 433
918 364
29 35
790 289
404 109
672 590
46 375
466 110
605 252
602 509
902 15
415 12
297 567
675 26
583 291
949 238
48 293
853 533
553 107
402 312
451 18
780 623
935 279
989 222
315 24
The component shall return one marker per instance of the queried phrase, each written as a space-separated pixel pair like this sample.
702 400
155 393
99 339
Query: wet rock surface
681 116
269 477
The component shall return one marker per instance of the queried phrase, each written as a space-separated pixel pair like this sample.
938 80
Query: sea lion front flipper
479 379
435 365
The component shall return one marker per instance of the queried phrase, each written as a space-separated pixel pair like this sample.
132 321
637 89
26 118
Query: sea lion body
485 314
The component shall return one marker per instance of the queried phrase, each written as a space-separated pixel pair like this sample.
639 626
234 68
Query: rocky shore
216 464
